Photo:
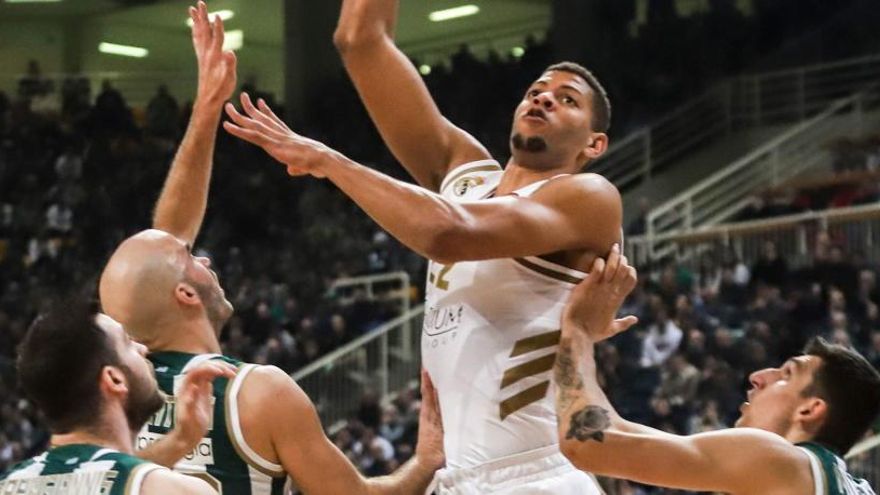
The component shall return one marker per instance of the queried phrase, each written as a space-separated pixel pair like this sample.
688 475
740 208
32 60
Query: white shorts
543 471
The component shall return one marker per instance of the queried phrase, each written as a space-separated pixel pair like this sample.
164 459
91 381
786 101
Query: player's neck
191 337
517 176
113 433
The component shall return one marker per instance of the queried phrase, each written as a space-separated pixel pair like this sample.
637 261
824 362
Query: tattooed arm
596 439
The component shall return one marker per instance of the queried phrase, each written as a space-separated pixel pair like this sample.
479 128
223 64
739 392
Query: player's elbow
447 244
581 457
350 39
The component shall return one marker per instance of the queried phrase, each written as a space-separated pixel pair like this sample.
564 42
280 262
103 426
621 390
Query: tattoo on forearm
568 378
589 423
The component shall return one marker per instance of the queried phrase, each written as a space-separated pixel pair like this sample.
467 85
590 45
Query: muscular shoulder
590 202
270 386
166 482
584 186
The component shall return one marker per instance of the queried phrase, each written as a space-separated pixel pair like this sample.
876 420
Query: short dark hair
601 105
60 361
850 386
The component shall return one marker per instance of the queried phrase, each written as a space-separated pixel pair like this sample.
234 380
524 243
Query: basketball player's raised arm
317 465
596 439
184 198
396 97
581 211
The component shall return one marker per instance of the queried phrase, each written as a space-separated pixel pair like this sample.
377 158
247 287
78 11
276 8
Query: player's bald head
137 285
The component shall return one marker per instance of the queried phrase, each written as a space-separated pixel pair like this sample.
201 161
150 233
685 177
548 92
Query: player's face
555 111
144 397
776 394
197 270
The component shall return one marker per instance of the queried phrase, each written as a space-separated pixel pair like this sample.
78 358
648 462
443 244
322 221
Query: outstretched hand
260 126
429 448
217 67
595 301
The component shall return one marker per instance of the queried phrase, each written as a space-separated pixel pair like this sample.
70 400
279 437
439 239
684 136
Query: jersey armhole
137 475
234 430
819 482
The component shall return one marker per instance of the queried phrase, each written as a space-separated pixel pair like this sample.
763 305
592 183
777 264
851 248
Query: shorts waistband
526 463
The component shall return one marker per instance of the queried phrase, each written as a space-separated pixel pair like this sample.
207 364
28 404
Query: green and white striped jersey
78 469
830 474
222 458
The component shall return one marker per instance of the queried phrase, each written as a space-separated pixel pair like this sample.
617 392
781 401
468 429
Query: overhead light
233 40
124 50
31 1
224 15
453 13
424 69
517 51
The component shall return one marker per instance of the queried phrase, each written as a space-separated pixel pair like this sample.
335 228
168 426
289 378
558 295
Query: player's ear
596 146
186 294
113 381
812 413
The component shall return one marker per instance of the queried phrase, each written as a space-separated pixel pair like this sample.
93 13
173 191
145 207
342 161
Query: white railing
382 361
725 193
856 229
863 460
780 97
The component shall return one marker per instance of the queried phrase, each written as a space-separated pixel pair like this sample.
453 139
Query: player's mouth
535 115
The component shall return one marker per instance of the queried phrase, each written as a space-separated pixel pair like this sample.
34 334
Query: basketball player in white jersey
265 428
96 389
506 247
801 418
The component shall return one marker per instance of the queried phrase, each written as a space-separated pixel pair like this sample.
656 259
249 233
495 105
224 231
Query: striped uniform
830 475
78 469
489 340
222 458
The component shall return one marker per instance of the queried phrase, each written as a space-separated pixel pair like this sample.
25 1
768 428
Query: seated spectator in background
770 269
162 115
639 225
33 84
662 339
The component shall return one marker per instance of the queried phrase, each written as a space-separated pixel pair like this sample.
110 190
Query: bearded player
506 247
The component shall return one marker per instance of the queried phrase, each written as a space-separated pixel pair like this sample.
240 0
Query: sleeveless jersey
830 475
78 469
489 340
222 457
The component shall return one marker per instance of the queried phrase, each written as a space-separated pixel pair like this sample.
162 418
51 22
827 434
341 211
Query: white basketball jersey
489 340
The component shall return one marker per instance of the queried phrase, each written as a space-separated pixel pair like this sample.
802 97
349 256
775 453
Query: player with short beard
96 389
264 428
506 246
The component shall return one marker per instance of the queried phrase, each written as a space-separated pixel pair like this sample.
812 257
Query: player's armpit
165 482
736 461
292 424
424 142
582 211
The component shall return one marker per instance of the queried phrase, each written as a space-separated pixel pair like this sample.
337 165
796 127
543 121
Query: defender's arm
314 462
396 97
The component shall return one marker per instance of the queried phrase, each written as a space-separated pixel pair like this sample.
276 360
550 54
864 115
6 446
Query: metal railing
856 229
725 193
772 98
381 361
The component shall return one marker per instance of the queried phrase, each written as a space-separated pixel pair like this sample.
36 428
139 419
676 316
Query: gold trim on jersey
525 370
535 342
230 430
457 174
548 272
523 399
530 368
